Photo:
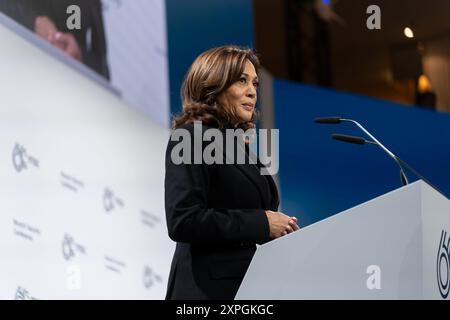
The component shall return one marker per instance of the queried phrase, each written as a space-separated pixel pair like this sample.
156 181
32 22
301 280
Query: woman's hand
293 226
66 42
44 27
280 224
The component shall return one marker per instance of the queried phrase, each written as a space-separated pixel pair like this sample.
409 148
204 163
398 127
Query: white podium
395 246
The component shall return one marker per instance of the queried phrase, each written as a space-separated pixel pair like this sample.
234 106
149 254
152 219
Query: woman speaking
218 212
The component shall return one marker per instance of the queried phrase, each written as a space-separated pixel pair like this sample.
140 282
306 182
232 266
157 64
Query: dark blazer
216 214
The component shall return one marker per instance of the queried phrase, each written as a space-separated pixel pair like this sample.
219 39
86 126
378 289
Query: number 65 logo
443 266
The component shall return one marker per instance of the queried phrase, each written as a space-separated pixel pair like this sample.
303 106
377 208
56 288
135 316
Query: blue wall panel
320 176
194 26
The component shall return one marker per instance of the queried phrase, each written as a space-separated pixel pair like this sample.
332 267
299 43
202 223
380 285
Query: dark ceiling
428 19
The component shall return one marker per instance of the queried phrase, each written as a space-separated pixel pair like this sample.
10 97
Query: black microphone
361 141
328 120
350 139
334 120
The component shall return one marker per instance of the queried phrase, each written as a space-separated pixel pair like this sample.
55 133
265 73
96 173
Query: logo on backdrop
70 182
23 294
26 231
148 219
443 266
110 200
21 159
114 264
70 247
150 277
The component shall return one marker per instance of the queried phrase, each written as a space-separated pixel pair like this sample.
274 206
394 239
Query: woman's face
241 95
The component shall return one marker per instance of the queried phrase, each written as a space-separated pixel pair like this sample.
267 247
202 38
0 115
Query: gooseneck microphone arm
351 139
362 141
337 120
403 177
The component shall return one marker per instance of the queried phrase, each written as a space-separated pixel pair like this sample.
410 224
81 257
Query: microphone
361 141
328 120
336 120
350 139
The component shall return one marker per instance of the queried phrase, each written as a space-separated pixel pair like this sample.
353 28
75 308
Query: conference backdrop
82 175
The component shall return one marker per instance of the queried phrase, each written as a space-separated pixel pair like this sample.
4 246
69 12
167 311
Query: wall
82 210
320 176
197 25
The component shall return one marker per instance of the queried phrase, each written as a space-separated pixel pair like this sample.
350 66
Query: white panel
65 140
137 54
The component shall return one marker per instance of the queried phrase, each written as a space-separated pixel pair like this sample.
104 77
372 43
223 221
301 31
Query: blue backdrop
194 26
320 177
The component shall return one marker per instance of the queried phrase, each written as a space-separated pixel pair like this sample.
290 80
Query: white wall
64 142
137 54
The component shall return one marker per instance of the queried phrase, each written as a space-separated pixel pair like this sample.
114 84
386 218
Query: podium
395 246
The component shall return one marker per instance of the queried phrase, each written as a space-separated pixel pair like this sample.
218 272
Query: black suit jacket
216 214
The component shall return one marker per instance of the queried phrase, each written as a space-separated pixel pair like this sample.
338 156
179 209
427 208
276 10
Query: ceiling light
408 32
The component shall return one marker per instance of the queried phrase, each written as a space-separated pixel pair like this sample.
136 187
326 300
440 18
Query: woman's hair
212 73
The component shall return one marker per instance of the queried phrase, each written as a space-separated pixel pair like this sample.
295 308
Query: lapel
269 197
253 174
273 191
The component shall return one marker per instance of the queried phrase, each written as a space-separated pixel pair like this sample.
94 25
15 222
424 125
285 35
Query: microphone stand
362 141
403 178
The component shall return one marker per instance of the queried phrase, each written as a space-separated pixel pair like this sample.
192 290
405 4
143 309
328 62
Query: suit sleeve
187 214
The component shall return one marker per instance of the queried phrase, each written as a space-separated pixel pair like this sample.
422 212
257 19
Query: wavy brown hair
212 73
